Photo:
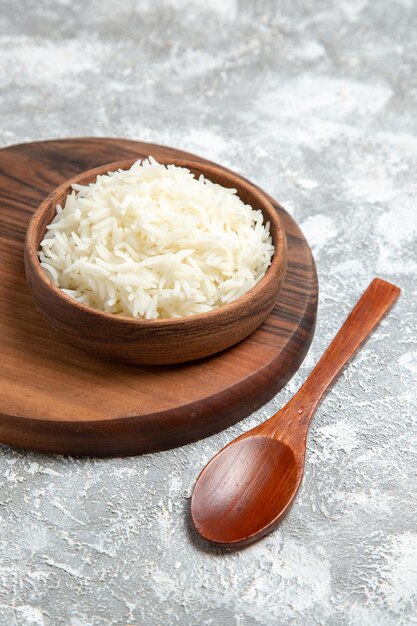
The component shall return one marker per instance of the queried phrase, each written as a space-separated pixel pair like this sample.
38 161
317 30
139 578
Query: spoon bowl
245 490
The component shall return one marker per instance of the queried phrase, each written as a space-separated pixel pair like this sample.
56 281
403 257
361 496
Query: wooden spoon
247 488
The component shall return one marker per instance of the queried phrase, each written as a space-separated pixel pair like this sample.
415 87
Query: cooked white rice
155 242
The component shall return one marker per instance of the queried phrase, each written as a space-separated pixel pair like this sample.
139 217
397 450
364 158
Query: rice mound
155 242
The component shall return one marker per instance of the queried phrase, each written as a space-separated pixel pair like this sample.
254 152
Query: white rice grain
155 242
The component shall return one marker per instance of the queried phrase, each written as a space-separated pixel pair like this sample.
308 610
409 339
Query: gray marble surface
316 102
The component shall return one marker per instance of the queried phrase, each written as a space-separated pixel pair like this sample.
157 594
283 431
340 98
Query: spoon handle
364 317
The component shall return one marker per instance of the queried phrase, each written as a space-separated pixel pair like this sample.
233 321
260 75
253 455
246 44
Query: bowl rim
235 180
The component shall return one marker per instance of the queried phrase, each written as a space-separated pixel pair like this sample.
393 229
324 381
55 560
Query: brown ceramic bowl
161 341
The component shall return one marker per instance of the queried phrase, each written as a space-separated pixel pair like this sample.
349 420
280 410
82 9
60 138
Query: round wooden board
55 398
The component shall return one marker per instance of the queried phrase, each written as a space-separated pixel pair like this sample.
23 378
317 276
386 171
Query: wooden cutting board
54 398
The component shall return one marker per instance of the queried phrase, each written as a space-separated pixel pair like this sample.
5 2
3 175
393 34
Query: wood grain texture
161 341
55 398
248 487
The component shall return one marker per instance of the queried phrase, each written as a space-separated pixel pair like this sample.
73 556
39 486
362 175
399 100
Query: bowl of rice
154 263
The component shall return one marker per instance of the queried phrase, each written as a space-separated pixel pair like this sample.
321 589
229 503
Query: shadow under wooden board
55 398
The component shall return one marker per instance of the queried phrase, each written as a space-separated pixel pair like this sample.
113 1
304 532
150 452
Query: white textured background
316 102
